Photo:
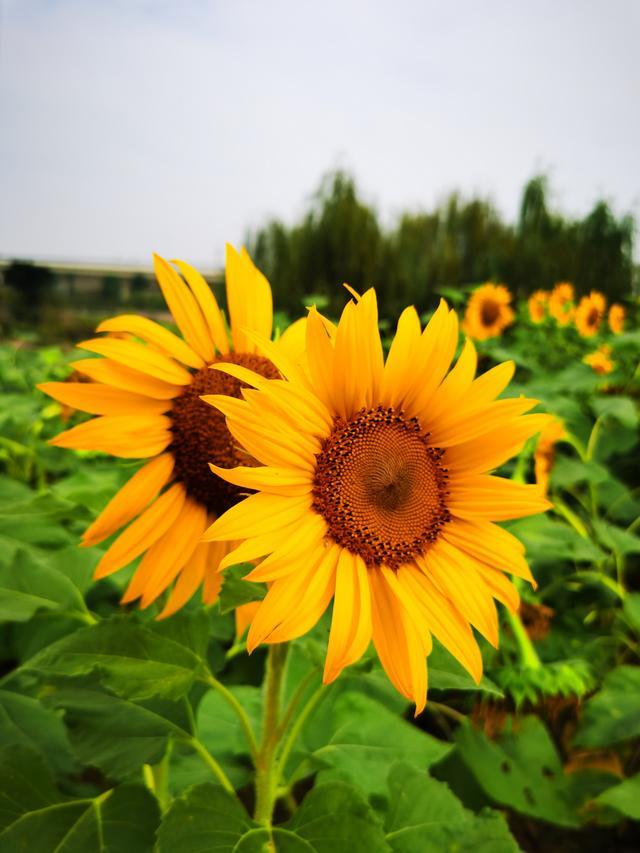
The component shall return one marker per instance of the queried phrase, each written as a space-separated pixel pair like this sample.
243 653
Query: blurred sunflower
561 306
616 318
488 312
545 453
600 360
537 304
589 313
146 391
374 492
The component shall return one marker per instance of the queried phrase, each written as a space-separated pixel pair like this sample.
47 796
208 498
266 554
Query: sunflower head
375 492
545 452
561 305
537 304
146 388
600 360
589 313
488 312
616 318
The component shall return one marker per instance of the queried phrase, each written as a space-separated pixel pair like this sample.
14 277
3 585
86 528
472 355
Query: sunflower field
345 584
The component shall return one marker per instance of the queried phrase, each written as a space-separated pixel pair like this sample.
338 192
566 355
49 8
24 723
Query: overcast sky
128 126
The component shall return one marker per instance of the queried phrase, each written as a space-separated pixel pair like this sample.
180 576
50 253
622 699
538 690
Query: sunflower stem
266 778
296 728
245 723
211 763
528 656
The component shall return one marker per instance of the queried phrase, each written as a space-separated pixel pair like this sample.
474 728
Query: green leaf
615 538
25 721
548 541
631 610
204 818
624 798
424 816
613 714
28 584
365 738
31 521
40 820
619 408
131 660
445 673
522 771
116 734
235 591
568 472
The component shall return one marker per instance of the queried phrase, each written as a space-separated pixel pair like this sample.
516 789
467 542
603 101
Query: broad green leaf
445 673
25 721
424 816
13 492
31 520
615 538
548 541
624 798
365 738
28 584
631 610
114 733
204 818
130 659
568 472
235 591
620 408
613 714
522 771
26 784
336 818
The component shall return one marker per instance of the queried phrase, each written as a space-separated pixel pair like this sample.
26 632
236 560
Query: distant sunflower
589 313
488 312
616 318
146 391
561 306
545 453
600 360
374 493
537 304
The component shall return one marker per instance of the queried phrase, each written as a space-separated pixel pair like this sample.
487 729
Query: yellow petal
208 305
186 311
256 515
292 340
491 449
297 541
141 357
132 498
153 333
351 619
493 498
400 356
274 481
103 399
249 300
489 544
189 579
111 373
475 422
213 575
127 436
143 532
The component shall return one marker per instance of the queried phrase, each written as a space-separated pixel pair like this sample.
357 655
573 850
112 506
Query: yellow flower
561 305
537 305
545 454
616 318
374 492
600 360
589 313
488 312
146 390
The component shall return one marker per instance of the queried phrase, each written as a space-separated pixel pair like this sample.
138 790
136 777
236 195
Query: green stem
266 779
211 763
295 700
528 655
446 711
562 509
212 681
296 728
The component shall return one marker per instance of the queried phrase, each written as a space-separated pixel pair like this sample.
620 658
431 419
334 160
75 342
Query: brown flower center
200 434
380 487
489 312
593 317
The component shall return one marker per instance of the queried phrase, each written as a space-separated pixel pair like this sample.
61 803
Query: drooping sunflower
374 492
561 306
616 318
145 390
545 453
488 312
600 360
537 305
589 313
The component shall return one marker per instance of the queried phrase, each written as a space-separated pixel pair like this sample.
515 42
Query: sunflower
600 360
589 313
145 390
616 318
561 306
537 304
488 312
545 453
374 492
